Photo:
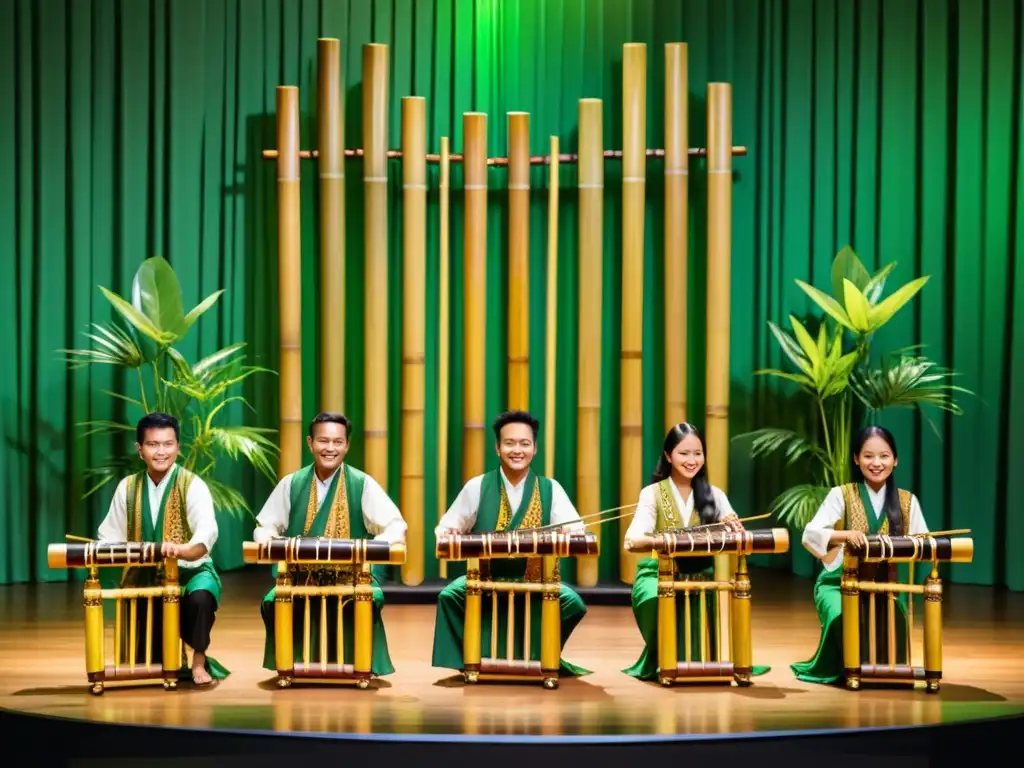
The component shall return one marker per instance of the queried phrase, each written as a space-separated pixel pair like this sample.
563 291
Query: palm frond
104 427
110 470
909 381
798 505
249 442
226 499
770 440
112 346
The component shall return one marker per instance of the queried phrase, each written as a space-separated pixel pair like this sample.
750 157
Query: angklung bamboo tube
375 187
519 260
331 169
676 219
414 235
289 286
591 236
552 313
634 184
474 131
442 346
716 427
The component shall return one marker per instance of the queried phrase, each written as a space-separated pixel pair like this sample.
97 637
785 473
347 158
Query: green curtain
133 129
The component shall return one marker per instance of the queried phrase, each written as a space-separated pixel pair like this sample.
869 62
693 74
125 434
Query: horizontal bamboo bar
881 587
696 586
501 162
338 590
126 593
515 586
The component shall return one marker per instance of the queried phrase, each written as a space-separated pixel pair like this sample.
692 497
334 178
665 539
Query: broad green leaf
791 349
846 266
199 309
217 358
882 313
181 367
136 318
873 291
156 292
799 378
857 307
799 504
806 343
827 303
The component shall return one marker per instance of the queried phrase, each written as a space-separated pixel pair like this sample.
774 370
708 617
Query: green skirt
451 617
645 611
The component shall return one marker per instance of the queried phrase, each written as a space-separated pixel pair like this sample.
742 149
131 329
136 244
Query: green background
132 129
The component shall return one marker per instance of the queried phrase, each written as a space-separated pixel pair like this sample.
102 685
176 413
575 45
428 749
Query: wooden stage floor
42 672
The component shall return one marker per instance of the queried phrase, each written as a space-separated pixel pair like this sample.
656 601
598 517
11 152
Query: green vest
299 502
492 496
670 517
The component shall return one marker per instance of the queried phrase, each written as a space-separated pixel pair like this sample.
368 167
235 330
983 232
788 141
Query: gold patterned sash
176 528
532 519
337 526
856 518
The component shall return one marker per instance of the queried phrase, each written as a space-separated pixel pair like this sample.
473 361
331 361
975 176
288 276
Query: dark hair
156 421
892 494
703 498
515 417
328 417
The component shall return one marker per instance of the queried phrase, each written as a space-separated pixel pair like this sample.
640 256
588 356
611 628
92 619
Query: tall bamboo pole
289 271
519 260
676 219
474 131
719 130
375 188
414 236
331 169
443 332
552 313
634 183
591 257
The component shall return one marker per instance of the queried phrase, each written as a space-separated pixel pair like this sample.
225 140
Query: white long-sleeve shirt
645 514
461 515
381 517
198 510
818 532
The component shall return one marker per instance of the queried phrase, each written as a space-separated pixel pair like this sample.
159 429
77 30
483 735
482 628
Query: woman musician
871 505
678 498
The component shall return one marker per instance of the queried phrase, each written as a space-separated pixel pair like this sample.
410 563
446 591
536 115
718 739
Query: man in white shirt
169 504
506 499
333 500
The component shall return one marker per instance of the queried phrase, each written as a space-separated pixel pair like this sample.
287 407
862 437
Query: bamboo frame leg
284 657
668 658
171 625
933 630
550 625
95 663
362 662
742 651
851 626
471 623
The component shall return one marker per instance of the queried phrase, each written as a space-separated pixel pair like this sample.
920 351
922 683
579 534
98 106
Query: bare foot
199 674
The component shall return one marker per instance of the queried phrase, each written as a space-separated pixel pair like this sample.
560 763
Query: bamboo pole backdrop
518 260
551 347
474 439
331 174
443 362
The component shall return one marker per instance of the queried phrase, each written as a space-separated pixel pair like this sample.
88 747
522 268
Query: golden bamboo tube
289 276
149 631
414 318
634 184
519 260
851 626
668 655
552 313
331 170
933 628
591 238
362 654
550 621
133 618
677 158
94 652
474 127
510 629
118 634
442 346
719 140
284 658
171 640
526 626
375 188
742 642
471 631
872 628
494 624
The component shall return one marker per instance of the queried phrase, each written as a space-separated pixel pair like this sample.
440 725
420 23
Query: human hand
170 551
856 540
732 523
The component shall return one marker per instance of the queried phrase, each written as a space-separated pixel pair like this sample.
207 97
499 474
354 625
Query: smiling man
506 499
169 504
334 500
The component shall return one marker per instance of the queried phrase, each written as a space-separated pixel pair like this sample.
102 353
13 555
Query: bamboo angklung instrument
443 331
375 295
331 170
719 169
474 132
552 313
519 260
289 286
591 258
676 226
414 235
634 184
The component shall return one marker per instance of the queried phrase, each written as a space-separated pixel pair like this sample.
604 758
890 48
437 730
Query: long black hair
703 499
892 494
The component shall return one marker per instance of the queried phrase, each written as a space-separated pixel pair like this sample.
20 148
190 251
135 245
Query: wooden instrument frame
95 555
734 592
352 565
854 589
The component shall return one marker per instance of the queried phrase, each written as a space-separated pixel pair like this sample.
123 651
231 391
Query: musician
329 499
870 505
680 497
170 504
509 498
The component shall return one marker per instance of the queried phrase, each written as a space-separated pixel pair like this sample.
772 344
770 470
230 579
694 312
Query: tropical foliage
833 369
141 340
